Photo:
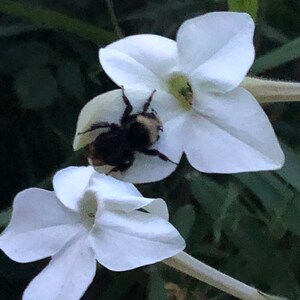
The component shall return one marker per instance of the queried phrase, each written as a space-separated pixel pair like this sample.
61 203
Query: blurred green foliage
247 225
249 6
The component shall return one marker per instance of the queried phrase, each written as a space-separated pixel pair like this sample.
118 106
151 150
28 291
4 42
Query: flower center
181 89
88 208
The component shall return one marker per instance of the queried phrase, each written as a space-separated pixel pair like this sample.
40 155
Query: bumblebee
135 132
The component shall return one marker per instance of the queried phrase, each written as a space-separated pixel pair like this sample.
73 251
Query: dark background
247 225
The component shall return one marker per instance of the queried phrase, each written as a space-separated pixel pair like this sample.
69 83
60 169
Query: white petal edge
127 241
107 187
37 244
155 206
67 276
125 70
40 226
231 133
70 183
216 50
156 53
123 196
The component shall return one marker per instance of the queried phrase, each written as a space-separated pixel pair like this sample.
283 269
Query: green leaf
20 55
277 57
229 201
291 216
216 200
273 193
70 78
208 192
119 286
57 20
262 259
157 289
249 6
291 169
273 34
184 220
5 217
13 30
36 88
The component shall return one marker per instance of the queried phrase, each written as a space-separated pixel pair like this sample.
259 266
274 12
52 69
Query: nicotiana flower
89 217
217 123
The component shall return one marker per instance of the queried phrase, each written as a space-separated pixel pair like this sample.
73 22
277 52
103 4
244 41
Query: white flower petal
109 107
123 196
216 50
157 207
126 71
107 187
69 184
144 169
37 244
40 226
128 204
147 168
230 134
127 241
149 54
67 276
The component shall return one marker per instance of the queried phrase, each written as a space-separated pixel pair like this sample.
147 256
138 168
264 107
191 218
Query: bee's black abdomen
136 132
138 136
112 149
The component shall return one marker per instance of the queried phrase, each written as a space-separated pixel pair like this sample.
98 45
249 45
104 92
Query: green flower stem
270 91
189 265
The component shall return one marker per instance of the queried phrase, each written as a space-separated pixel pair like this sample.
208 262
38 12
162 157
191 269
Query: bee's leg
147 103
155 152
99 125
128 108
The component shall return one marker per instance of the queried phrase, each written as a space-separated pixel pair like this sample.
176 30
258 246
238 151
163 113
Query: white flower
90 217
219 125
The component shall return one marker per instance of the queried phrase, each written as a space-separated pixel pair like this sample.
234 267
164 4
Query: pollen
181 89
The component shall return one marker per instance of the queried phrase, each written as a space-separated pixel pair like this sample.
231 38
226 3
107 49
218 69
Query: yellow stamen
181 89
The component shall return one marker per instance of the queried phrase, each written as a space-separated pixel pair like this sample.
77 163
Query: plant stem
189 265
270 91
